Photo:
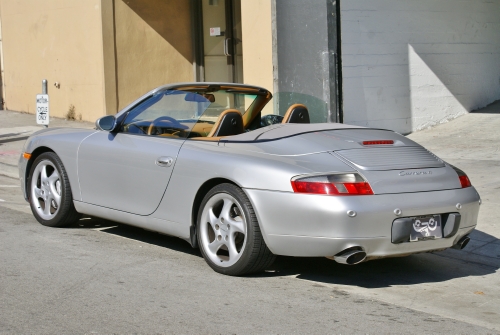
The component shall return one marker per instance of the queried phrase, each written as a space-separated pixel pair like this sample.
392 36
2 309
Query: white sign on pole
42 109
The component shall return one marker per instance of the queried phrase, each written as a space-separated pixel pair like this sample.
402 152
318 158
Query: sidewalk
472 143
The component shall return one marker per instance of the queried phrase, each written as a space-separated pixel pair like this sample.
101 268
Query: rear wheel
50 193
228 233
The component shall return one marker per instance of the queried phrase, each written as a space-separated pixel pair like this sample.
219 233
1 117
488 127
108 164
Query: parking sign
42 109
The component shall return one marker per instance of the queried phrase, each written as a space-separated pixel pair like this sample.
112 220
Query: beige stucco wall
257 45
106 53
153 46
57 40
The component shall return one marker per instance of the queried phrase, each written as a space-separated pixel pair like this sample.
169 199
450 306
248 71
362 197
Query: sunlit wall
408 65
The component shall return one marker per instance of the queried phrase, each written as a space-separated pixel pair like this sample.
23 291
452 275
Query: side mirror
107 123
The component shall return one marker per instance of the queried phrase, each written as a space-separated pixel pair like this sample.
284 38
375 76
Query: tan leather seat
230 122
296 113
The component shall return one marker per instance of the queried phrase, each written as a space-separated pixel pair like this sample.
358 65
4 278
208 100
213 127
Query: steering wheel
177 128
270 119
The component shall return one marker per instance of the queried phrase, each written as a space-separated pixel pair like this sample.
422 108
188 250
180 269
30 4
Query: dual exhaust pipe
462 243
352 257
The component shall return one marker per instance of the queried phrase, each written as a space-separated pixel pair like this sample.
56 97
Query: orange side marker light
26 155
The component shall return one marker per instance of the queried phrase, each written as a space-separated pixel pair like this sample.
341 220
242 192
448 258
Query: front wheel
50 193
229 234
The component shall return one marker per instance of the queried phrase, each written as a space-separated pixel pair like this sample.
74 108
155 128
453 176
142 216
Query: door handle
164 161
226 46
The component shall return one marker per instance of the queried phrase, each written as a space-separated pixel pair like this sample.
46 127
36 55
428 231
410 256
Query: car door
129 169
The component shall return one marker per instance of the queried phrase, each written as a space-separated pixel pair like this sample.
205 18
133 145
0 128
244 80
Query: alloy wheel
223 230
46 190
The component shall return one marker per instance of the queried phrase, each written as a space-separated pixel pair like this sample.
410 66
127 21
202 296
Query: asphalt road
101 277
97 277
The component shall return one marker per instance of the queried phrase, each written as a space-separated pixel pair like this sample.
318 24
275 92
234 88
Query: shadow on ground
410 270
138 234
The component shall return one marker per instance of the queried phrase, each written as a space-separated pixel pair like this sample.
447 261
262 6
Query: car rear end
397 199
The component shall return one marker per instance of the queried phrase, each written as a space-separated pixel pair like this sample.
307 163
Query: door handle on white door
226 47
164 161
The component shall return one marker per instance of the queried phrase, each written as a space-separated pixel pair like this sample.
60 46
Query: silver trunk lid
380 158
401 167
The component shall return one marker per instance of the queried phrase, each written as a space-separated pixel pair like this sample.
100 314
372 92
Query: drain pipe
2 80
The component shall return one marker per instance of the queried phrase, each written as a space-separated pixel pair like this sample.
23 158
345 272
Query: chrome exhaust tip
462 243
350 257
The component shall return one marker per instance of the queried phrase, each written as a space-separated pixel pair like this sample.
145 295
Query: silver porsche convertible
199 161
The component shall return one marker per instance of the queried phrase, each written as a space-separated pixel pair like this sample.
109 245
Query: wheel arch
200 194
34 155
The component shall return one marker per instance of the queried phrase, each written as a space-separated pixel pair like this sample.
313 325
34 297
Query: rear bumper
317 225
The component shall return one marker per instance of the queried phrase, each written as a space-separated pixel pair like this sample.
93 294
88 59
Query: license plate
426 228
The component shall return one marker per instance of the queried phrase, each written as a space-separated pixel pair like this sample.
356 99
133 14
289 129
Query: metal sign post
42 106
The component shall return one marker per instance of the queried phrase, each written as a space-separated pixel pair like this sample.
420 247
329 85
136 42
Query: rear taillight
464 180
332 184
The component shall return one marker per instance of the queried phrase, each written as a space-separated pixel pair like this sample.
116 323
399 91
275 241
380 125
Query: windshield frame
253 111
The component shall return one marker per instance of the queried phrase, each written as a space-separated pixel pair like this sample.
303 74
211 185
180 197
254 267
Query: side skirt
145 222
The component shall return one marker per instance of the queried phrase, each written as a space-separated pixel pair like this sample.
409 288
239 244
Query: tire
229 234
49 192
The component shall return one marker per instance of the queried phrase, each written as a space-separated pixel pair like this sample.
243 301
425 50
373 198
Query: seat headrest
229 123
297 113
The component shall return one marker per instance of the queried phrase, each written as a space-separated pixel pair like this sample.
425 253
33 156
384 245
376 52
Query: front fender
64 142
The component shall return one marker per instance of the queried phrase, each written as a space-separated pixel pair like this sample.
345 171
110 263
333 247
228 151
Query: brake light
379 142
334 184
464 180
